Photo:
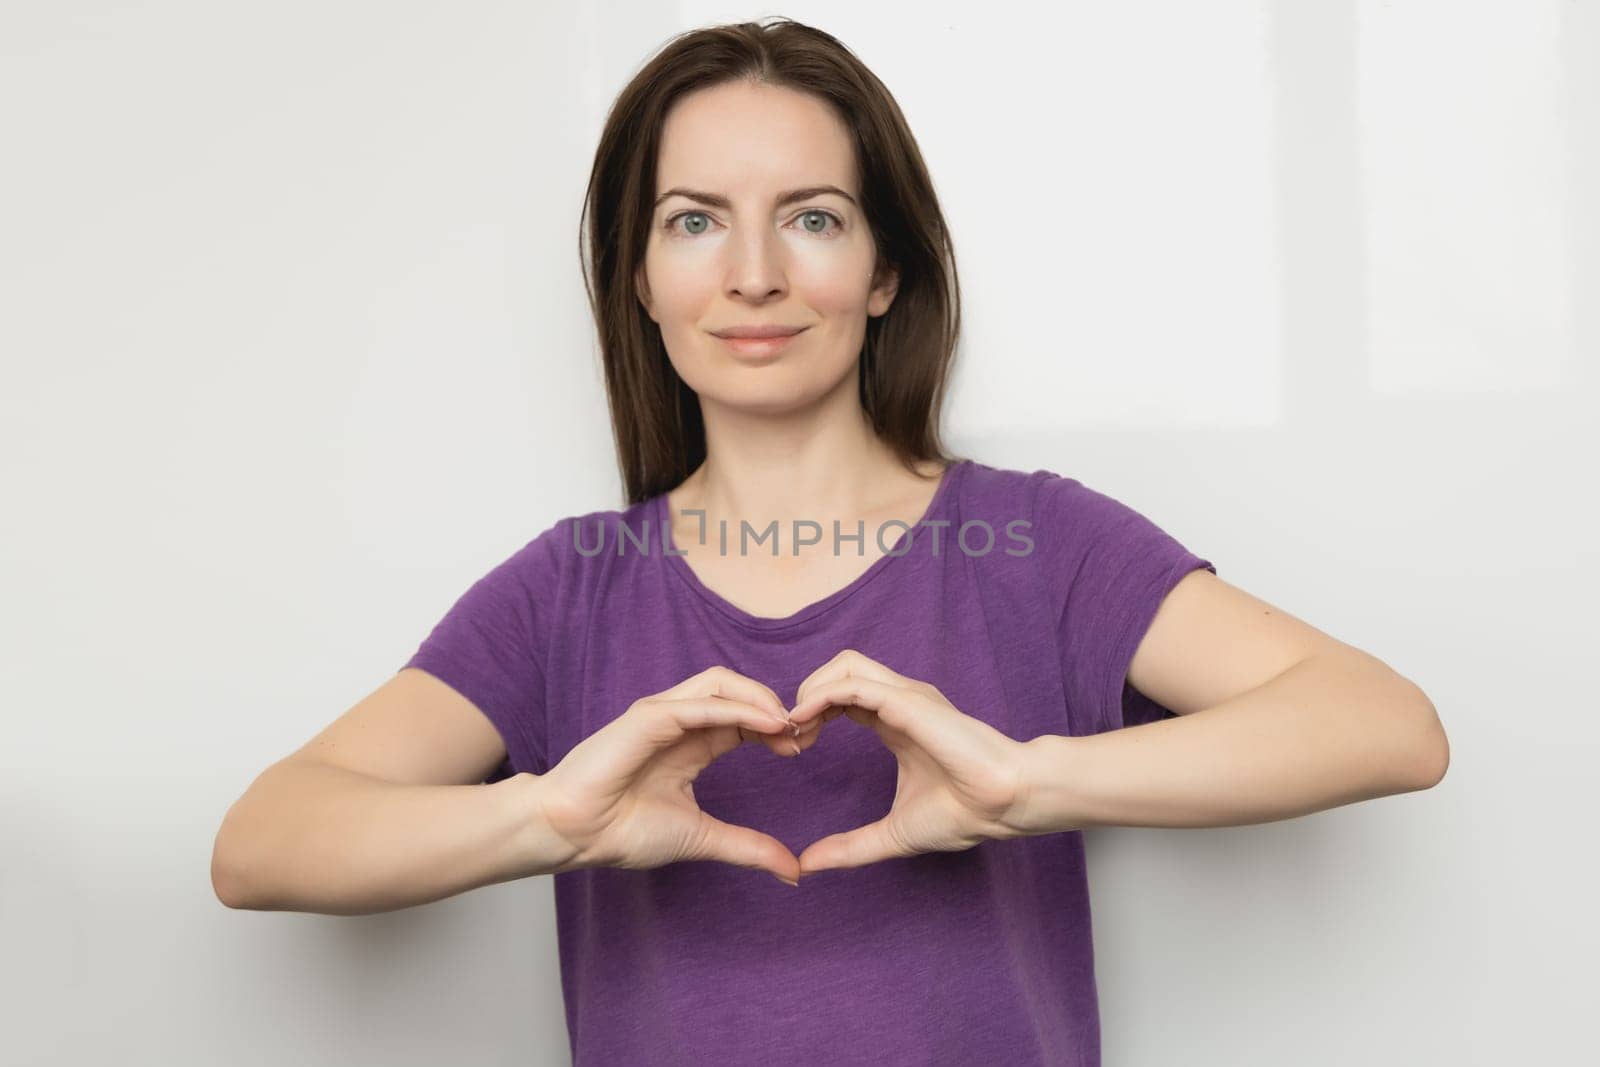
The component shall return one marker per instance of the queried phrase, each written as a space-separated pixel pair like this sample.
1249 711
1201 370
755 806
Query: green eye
672 222
705 222
823 215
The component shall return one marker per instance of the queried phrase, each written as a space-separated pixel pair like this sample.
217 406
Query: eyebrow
789 197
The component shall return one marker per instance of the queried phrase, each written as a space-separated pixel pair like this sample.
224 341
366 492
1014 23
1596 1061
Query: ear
642 288
883 292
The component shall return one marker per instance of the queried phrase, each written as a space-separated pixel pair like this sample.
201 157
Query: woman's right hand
624 796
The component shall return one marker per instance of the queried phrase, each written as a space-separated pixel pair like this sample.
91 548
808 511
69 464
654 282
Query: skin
786 439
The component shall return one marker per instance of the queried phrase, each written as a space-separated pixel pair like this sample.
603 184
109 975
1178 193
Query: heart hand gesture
961 781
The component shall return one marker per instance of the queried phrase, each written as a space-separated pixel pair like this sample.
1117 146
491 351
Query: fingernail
786 881
796 746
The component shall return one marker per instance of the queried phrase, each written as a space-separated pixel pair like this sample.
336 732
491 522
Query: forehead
739 137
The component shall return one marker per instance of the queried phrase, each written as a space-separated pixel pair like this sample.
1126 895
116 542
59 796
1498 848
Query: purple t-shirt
980 956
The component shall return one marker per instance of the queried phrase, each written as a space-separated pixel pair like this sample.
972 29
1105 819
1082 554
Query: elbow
1430 747
224 883
1437 761
229 879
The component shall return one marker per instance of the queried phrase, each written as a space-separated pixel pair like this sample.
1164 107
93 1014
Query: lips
759 347
756 332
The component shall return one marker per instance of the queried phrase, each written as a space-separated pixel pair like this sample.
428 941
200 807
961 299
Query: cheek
832 284
676 291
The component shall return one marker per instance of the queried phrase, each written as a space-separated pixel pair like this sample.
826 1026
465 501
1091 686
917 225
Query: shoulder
1039 498
1069 512
993 518
984 483
576 543
986 490
1073 526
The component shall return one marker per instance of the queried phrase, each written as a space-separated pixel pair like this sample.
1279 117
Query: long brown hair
907 352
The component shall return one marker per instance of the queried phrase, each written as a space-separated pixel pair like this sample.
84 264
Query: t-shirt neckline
679 566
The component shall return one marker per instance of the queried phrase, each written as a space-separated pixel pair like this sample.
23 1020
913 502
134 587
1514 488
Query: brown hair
907 352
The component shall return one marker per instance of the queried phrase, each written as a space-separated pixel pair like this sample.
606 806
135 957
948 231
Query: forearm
314 837
1330 731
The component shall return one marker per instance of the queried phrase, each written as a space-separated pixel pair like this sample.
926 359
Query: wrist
1047 803
539 848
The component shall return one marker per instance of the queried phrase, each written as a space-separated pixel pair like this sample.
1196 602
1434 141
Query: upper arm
1105 570
1211 641
412 730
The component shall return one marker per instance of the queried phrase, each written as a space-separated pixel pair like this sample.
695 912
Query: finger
786 743
853 848
726 682
659 724
894 705
744 847
850 664
807 735
918 716
803 735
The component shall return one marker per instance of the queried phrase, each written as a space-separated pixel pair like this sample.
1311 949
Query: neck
821 465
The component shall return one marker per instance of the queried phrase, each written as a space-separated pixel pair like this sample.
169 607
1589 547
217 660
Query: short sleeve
1107 568
490 647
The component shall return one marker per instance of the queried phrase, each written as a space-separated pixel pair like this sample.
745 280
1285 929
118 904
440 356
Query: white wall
294 348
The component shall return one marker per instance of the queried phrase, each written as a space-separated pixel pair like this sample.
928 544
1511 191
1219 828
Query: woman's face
750 256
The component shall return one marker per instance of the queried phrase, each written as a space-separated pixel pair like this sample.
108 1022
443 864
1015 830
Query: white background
295 348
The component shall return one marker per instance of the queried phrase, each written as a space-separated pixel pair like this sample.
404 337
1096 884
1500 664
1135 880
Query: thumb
744 847
853 848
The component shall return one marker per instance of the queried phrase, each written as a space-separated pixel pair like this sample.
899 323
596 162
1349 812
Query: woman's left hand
960 781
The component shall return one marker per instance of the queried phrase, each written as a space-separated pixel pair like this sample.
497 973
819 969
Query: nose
756 270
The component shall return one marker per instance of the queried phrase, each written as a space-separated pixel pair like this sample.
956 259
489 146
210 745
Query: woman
986 631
